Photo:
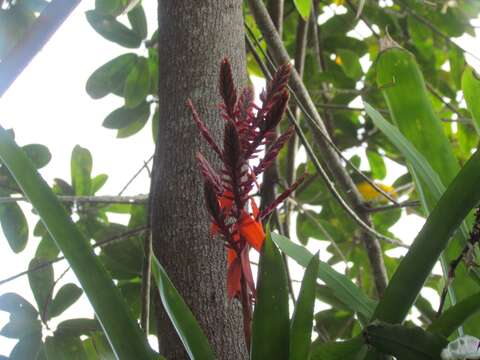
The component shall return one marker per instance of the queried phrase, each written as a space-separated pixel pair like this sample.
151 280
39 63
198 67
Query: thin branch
105 199
34 39
144 166
43 314
331 158
102 243
413 203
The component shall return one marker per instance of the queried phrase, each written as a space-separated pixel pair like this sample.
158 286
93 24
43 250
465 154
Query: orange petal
231 255
233 279
252 231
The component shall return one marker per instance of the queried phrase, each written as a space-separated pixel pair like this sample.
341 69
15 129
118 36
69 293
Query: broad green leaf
377 165
14 226
65 297
111 76
65 347
136 126
302 319
353 349
101 291
350 63
41 283
27 348
123 117
455 316
113 30
344 289
81 169
190 333
15 304
303 7
77 327
109 7
460 197
405 343
19 327
98 182
39 154
138 21
471 91
270 325
137 84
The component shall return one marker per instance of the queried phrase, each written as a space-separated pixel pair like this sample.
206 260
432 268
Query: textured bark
193 37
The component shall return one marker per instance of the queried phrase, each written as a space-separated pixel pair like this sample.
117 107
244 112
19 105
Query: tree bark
193 37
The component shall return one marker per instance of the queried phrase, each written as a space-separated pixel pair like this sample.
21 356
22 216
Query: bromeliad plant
249 129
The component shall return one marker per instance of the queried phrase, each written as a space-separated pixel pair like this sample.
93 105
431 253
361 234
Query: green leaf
190 333
455 316
303 7
39 154
137 84
302 320
41 283
81 168
471 91
353 349
77 327
344 289
101 291
377 165
123 117
65 347
405 343
138 21
113 30
15 304
14 226
109 7
460 197
98 182
66 296
111 76
135 126
270 325
27 348
155 124
19 327
350 63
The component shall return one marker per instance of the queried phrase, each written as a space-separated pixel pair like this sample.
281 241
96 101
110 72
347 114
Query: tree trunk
193 38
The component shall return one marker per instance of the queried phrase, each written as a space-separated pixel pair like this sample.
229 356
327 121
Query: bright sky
48 105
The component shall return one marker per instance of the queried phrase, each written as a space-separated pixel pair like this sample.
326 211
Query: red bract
249 130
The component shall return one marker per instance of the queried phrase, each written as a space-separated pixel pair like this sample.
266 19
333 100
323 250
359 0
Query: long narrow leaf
345 290
270 327
454 317
462 195
352 349
181 316
302 320
405 343
105 298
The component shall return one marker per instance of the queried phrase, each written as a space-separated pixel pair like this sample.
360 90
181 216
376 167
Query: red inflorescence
249 129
